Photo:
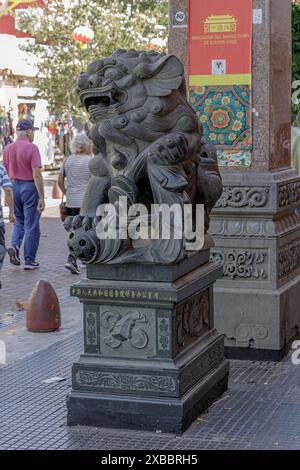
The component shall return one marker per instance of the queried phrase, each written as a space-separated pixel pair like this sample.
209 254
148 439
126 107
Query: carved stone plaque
127 331
192 319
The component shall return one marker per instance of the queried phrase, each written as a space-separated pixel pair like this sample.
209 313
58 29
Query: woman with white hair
75 171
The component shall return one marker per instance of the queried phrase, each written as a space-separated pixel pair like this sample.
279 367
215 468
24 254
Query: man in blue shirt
7 186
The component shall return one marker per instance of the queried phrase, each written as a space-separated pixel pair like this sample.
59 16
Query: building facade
18 73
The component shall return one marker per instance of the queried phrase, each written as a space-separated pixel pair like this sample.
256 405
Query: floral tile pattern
225 114
232 158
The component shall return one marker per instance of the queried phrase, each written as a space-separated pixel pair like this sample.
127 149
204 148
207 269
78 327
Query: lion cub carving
148 147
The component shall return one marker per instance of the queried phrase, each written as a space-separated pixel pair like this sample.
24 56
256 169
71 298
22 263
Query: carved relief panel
192 320
240 264
127 331
91 329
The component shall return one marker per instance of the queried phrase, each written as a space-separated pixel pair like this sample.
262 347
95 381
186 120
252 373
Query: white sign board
218 67
257 16
179 16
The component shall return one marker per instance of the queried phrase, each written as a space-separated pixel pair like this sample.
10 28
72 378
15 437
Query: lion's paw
169 150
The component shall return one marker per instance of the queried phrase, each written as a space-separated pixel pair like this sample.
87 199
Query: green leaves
295 53
295 41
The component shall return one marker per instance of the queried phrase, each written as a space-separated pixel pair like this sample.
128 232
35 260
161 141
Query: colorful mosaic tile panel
225 114
232 158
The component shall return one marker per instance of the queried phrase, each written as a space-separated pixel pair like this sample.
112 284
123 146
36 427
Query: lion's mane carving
148 146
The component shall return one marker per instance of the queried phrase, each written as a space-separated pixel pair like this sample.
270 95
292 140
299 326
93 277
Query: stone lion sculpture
148 146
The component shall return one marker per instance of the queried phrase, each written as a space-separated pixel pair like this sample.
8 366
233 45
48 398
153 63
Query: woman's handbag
63 209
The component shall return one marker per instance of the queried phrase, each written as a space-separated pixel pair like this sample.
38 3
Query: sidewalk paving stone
52 254
33 414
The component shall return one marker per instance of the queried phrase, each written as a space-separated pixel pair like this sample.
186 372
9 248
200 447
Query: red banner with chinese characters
220 42
219 67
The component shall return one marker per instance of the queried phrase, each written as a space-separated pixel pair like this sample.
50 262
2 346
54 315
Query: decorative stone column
255 229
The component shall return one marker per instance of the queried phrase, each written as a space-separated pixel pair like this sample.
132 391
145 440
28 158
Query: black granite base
152 358
171 415
147 272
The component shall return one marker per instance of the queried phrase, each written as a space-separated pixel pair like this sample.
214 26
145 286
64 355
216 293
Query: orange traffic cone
43 310
56 192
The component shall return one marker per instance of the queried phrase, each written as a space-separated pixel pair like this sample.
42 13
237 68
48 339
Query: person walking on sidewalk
75 169
22 161
7 186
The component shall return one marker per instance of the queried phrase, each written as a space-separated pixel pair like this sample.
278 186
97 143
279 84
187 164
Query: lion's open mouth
100 101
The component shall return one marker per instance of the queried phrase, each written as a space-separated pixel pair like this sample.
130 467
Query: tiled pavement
17 283
260 410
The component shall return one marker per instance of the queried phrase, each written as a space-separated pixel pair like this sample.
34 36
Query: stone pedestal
152 358
257 242
255 229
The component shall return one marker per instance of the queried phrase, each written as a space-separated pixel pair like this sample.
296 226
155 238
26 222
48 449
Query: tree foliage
116 24
295 41
295 52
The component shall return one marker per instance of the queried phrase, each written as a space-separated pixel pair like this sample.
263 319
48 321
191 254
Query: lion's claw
169 150
87 223
68 223
77 222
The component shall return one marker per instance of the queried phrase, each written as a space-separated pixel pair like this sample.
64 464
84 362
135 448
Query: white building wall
14 59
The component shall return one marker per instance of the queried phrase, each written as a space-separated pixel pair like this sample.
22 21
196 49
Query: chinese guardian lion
148 146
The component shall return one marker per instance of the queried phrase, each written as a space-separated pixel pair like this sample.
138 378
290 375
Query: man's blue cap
26 125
